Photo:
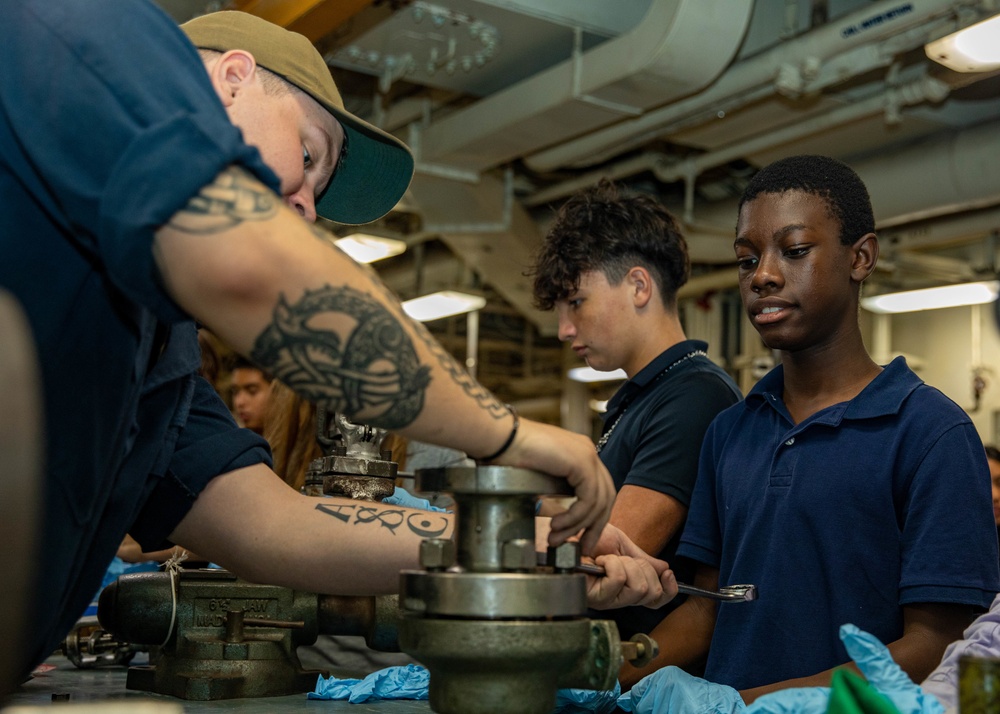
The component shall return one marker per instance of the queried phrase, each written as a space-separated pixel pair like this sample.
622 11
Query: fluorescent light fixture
973 49
366 248
598 405
934 298
589 374
442 304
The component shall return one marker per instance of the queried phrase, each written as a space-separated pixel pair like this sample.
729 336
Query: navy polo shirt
108 126
659 419
863 507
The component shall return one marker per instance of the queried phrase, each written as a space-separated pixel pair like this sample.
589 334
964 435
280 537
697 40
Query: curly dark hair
833 181
604 228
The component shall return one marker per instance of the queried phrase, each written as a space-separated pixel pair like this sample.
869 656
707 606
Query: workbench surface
108 684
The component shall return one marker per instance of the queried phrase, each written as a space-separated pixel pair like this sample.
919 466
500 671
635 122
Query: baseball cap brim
371 176
374 170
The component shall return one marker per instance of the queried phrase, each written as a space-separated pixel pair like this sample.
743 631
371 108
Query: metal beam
313 18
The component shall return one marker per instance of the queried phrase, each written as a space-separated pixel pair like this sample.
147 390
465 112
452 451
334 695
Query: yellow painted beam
313 18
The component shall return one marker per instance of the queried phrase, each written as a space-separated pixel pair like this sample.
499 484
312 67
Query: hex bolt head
565 557
437 553
518 554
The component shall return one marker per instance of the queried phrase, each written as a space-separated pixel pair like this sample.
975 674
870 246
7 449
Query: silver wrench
729 593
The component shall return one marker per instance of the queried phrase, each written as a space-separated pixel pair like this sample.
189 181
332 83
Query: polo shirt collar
883 396
645 376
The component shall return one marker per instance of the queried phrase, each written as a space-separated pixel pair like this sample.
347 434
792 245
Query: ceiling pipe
955 228
919 91
828 55
644 68
935 178
647 161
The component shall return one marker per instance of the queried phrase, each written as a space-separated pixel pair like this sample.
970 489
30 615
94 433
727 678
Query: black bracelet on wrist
510 439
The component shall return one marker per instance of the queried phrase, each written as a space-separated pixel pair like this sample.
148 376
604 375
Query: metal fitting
565 557
437 553
518 554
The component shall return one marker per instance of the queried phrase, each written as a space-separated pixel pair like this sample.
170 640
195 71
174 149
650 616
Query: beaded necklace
607 435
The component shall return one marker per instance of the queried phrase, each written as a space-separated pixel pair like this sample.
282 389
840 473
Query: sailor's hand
630 581
614 545
555 451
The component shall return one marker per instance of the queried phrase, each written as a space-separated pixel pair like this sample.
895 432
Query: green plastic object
851 694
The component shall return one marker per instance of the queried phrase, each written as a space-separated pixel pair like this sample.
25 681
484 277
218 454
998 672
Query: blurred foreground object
20 487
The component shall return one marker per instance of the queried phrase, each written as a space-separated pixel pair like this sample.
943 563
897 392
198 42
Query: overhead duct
678 48
936 178
828 55
918 91
962 177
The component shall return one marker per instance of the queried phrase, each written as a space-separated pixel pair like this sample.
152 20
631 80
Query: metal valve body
497 632
354 465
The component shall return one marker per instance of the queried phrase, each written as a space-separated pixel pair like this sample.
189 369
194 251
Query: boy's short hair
833 181
992 452
603 228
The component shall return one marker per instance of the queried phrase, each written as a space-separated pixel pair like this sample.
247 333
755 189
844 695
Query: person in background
290 429
993 460
250 390
155 179
211 360
611 266
846 491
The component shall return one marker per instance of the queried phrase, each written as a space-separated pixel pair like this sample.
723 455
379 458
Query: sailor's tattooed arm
234 197
336 345
461 377
342 348
426 524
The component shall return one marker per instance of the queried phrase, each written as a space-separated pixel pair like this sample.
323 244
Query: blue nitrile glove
801 700
581 701
402 497
404 682
412 681
876 664
671 689
882 672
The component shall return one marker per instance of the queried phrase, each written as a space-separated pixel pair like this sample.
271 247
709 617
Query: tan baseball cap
375 169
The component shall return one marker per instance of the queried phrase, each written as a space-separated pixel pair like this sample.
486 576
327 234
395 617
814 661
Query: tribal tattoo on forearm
234 197
371 374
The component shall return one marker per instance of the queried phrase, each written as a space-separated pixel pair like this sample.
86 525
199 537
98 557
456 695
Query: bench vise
220 637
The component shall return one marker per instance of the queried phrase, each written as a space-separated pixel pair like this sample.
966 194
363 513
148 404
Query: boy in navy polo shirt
846 491
611 266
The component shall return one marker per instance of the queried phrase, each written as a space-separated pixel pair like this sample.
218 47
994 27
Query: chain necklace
607 435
